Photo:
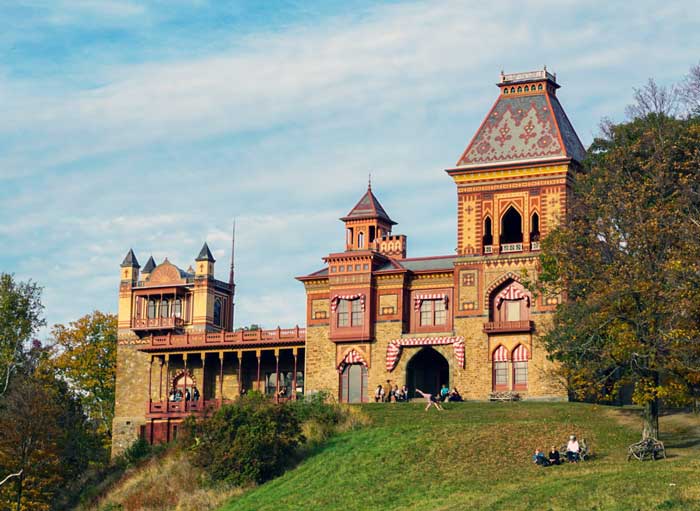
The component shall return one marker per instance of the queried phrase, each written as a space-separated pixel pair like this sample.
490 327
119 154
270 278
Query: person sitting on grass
539 458
573 450
455 395
430 399
444 393
404 392
554 458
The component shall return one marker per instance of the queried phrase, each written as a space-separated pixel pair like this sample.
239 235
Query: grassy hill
477 456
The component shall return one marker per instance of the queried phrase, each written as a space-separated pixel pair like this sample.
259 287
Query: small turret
366 222
130 267
150 266
205 262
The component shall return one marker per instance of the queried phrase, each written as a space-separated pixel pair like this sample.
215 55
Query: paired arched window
518 368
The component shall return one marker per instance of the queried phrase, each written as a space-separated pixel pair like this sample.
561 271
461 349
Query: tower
366 223
205 262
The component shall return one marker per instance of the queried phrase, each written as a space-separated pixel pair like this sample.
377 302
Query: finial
545 67
233 246
369 182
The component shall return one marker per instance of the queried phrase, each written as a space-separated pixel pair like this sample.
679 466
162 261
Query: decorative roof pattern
368 207
527 127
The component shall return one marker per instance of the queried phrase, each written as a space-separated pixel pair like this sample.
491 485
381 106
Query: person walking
430 399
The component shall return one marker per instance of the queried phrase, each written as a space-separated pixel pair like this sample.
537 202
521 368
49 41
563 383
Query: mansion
373 314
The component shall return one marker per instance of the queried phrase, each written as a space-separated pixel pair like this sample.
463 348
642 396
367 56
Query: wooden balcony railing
200 340
156 323
495 327
182 408
511 247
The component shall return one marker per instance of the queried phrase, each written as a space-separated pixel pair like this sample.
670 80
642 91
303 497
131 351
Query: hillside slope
477 456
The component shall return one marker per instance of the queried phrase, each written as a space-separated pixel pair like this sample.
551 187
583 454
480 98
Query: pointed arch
488 231
499 282
521 356
511 225
500 354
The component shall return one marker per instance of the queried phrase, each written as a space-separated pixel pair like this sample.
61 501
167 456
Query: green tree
20 318
627 262
85 355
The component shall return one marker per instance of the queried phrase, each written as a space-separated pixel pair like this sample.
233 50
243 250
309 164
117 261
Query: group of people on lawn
393 394
573 454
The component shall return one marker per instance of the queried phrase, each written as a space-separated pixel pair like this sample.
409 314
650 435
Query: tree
689 90
85 355
20 318
626 260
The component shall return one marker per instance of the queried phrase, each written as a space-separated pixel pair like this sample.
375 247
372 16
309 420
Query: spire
150 265
233 247
130 260
205 254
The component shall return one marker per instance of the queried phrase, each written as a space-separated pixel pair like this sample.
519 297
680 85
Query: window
535 227
520 375
488 232
343 314
151 312
356 313
433 312
513 310
371 233
350 313
164 308
350 236
177 308
511 227
500 375
217 312
361 240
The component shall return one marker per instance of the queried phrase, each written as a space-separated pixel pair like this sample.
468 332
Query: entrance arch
353 384
427 370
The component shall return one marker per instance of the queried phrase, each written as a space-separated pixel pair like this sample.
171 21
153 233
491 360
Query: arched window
527 89
361 240
488 232
520 89
151 309
505 90
520 356
164 308
217 312
500 368
512 90
535 227
511 303
350 236
539 87
511 227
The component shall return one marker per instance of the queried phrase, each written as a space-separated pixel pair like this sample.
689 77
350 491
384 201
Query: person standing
378 394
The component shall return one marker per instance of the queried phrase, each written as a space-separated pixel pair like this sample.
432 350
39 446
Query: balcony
535 245
156 323
240 338
506 327
511 247
177 409
488 249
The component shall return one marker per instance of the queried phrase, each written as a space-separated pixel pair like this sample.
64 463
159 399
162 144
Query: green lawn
477 456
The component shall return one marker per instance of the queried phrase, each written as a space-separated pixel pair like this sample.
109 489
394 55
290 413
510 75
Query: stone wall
131 396
320 362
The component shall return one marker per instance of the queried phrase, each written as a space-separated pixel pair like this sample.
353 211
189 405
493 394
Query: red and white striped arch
393 350
512 292
418 299
351 357
500 354
336 299
521 354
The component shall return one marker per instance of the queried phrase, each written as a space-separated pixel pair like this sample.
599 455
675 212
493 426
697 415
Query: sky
153 124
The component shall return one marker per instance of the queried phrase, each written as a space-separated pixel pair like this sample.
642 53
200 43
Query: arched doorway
427 370
353 384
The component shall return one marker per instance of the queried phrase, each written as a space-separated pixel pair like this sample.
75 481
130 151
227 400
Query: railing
488 249
511 247
182 407
214 338
535 245
493 327
156 323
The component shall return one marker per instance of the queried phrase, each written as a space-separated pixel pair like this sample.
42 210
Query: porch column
257 383
150 376
203 357
160 384
167 382
277 374
221 378
184 394
239 362
294 377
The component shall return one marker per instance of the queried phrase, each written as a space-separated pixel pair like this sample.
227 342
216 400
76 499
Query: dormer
366 223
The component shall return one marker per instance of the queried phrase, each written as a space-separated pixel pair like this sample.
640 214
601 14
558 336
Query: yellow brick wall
320 372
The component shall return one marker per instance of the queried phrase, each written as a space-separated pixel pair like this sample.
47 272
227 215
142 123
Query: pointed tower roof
130 260
150 265
526 124
205 254
368 207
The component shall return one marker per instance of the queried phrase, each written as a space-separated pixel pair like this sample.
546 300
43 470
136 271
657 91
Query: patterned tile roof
368 207
525 127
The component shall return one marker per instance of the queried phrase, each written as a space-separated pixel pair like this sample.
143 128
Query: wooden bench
584 451
649 449
504 396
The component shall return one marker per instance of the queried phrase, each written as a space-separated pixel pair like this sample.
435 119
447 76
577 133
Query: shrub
249 441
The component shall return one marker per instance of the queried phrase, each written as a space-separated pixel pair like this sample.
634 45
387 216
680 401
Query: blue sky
152 124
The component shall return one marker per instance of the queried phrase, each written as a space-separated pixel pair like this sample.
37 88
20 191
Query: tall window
343 313
433 312
488 232
513 310
151 311
177 308
361 240
512 227
535 227
371 233
356 313
350 236
520 356
217 312
500 369
164 308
